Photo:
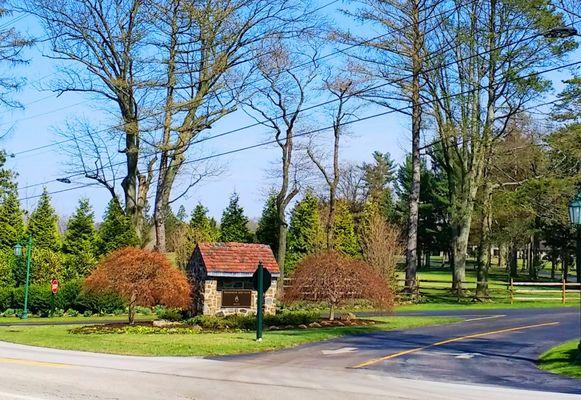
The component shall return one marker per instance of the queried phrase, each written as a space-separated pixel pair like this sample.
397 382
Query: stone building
221 277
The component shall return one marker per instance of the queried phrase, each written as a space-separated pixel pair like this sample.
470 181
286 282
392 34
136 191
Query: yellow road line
32 363
452 340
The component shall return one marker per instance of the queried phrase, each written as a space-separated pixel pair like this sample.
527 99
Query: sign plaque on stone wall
236 298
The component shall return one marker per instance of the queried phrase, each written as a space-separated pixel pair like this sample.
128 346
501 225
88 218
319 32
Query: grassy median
562 359
198 344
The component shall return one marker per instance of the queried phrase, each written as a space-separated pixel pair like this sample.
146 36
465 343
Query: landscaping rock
162 323
326 323
347 317
339 323
314 325
302 326
288 327
273 328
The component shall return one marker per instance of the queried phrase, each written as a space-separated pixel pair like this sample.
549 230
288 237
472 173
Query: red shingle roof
235 257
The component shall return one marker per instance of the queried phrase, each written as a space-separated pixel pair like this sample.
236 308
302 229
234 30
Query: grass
201 344
79 319
562 360
436 295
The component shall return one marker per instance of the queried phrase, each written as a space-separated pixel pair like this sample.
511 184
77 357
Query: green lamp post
575 217
18 253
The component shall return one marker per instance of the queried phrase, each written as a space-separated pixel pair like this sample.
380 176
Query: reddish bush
142 278
333 278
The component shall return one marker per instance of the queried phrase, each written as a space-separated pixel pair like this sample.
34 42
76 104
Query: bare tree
342 91
279 105
394 62
101 42
12 45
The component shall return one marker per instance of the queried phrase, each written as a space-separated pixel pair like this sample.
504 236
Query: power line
368 117
298 66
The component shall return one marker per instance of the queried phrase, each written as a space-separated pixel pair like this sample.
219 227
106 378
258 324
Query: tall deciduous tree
477 83
278 105
116 230
234 224
397 59
43 225
80 242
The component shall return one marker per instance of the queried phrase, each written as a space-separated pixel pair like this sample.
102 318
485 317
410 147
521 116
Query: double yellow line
452 340
32 362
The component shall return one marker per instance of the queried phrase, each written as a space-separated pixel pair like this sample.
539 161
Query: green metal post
259 302
28 255
578 265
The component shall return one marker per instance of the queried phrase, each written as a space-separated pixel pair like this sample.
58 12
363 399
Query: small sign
236 298
54 286
266 279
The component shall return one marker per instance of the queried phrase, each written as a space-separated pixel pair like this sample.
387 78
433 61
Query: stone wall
213 300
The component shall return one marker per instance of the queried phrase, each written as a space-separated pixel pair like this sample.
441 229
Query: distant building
221 277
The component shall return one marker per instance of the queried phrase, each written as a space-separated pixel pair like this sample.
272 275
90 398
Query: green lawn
79 319
201 344
562 360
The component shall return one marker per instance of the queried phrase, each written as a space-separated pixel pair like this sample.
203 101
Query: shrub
143 310
6 298
59 312
141 278
171 314
88 313
72 313
10 312
334 278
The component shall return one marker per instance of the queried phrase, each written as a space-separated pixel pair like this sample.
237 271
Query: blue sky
245 172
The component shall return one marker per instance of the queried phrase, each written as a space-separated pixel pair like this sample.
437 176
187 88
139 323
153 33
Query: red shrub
142 278
332 277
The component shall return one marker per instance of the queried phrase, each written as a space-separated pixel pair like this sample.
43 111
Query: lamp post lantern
575 217
18 253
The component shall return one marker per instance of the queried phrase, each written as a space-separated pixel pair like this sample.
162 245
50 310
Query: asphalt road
442 362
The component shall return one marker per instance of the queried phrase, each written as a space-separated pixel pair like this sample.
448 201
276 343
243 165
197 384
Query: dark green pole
259 302
28 254
578 265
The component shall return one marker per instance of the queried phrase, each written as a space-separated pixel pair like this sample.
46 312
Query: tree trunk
460 248
131 308
414 215
513 262
332 312
553 266
428 259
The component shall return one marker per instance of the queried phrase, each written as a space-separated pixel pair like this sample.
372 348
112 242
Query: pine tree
267 230
305 232
12 229
43 225
203 228
234 224
116 231
182 214
80 242
345 239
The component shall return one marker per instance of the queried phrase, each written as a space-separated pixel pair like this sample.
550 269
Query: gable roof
236 259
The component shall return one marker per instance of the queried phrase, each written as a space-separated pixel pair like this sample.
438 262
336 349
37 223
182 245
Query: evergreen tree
80 242
267 231
305 232
234 224
7 268
12 229
345 239
182 214
116 231
43 225
203 228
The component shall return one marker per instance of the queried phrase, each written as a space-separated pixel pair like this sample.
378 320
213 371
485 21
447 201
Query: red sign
54 286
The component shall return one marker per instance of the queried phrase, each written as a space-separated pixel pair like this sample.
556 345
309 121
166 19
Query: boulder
273 328
162 323
347 317
302 326
314 325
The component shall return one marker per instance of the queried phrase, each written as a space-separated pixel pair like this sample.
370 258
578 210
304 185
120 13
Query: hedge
70 296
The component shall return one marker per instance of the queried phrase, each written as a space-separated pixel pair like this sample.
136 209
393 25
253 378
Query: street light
575 217
18 253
